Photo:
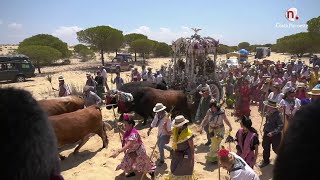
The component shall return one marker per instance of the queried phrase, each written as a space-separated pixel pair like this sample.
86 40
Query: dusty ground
93 163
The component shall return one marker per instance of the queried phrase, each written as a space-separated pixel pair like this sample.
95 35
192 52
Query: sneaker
207 143
264 164
131 174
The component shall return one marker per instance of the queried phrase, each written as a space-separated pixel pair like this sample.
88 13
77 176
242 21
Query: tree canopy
129 38
142 46
104 38
40 55
47 40
83 51
298 44
314 25
162 50
244 45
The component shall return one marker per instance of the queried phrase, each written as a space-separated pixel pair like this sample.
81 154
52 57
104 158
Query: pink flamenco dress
135 158
244 108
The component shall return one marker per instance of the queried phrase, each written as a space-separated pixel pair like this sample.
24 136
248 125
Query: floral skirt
170 176
212 156
141 163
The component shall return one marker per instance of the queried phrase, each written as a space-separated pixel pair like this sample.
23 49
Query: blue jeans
162 145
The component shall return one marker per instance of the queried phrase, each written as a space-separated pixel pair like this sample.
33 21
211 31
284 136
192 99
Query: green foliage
224 49
142 46
244 45
47 40
162 50
40 55
84 52
298 44
129 38
314 25
104 38
77 48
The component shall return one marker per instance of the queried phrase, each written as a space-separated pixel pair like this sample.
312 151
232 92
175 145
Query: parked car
122 62
233 62
16 68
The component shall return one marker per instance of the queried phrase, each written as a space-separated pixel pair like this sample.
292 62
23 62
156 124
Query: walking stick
154 147
264 106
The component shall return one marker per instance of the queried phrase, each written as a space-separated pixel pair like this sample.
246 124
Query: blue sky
230 21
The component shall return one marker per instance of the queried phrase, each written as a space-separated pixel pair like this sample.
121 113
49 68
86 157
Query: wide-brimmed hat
149 68
315 91
301 85
179 121
61 78
316 66
271 103
159 107
203 90
88 74
266 76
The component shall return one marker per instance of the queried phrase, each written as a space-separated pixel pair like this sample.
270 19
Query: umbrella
243 51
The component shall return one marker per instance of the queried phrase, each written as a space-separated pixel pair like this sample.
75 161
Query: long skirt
256 93
141 163
212 156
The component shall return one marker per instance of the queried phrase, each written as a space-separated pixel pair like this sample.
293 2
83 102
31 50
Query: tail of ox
79 126
61 105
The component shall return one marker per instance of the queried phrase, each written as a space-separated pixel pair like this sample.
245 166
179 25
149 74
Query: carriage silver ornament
191 56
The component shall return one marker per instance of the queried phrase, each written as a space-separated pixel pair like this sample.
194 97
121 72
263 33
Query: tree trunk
102 58
116 52
38 66
135 56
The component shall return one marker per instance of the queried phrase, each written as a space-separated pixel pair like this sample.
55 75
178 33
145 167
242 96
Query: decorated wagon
192 62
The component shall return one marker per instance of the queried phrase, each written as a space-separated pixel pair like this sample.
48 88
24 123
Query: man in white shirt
236 166
104 75
163 123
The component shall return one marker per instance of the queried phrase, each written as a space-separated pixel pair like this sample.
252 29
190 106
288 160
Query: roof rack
17 57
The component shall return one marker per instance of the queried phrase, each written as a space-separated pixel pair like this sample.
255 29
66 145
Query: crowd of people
279 90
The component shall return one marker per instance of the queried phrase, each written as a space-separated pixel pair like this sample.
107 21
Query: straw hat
315 91
61 78
179 121
271 103
159 107
300 85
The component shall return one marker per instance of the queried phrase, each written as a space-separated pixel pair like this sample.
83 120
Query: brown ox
78 126
56 106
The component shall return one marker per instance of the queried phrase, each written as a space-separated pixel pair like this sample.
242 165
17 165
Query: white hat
159 107
61 78
179 121
271 103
